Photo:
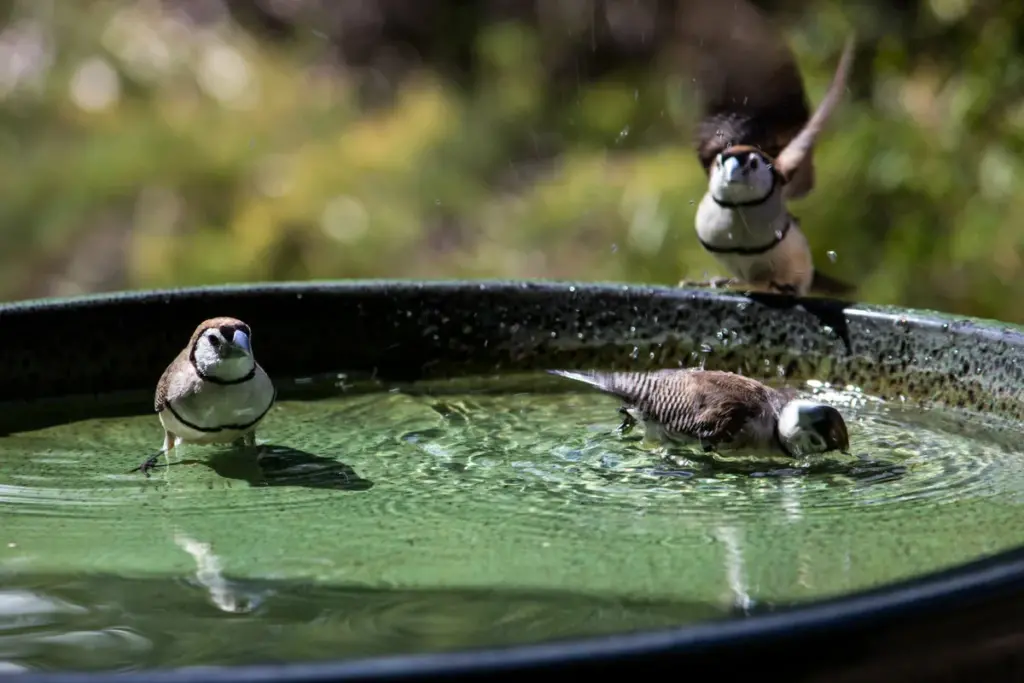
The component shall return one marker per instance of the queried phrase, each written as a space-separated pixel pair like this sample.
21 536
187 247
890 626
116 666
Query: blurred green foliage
139 150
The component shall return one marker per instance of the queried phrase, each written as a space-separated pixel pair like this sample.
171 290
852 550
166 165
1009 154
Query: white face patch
741 179
796 427
213 358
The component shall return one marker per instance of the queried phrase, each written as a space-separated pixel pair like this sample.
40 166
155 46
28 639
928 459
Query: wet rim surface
404 331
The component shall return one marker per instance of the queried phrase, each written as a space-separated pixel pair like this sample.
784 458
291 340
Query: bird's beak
240 340
732 170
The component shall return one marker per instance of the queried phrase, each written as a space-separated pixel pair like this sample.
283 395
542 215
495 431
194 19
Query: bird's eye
753 164
214 340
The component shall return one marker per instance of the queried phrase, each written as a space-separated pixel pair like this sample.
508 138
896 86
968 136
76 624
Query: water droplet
706 348
635 353
832 256
623 133
615 248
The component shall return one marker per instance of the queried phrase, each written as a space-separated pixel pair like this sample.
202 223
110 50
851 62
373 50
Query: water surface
400 521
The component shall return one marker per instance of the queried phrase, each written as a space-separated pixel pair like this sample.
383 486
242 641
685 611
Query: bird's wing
179 380
799 148
711 406
745 75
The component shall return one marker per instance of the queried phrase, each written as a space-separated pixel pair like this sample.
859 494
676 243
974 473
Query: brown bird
721 411
755 140
214 391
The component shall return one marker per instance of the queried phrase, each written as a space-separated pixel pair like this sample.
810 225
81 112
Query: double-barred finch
214 391
721 411
756 158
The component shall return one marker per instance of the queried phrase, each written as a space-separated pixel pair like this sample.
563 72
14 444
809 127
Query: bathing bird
214 391
720 411
758 152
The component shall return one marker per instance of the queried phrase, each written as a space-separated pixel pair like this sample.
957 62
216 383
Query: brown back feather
710 405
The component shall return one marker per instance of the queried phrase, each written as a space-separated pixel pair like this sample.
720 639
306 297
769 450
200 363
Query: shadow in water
683 462
862 470
277 465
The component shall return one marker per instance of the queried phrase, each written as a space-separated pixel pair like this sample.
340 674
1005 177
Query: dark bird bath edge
960 623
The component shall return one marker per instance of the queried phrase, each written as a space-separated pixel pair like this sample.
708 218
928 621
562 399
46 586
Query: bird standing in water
214 391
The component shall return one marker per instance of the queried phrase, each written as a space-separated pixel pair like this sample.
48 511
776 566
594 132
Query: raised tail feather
598 380
628 386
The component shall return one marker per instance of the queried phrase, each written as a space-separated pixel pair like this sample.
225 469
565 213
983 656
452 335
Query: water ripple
484 490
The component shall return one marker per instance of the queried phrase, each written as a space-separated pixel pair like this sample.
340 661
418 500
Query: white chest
742 227
787 262
220 412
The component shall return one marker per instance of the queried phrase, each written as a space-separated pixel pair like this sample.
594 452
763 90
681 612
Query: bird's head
743 175
222 348
808 427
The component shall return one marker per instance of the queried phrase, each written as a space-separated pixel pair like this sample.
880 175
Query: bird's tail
598 380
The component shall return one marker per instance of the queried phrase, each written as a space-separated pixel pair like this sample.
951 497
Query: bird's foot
787 289
149 464
712 283
628 422
245 441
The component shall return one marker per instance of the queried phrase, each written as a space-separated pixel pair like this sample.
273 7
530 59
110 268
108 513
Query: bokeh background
153 144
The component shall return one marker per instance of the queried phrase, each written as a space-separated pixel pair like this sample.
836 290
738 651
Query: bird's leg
247 440
628 421
713 283
150 462
787 289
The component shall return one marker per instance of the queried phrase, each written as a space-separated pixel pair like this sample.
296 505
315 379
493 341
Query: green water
396 522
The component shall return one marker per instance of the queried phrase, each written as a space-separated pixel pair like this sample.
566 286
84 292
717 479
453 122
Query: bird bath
423 488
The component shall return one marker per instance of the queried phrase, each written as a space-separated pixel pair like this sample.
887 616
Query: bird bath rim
407 330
